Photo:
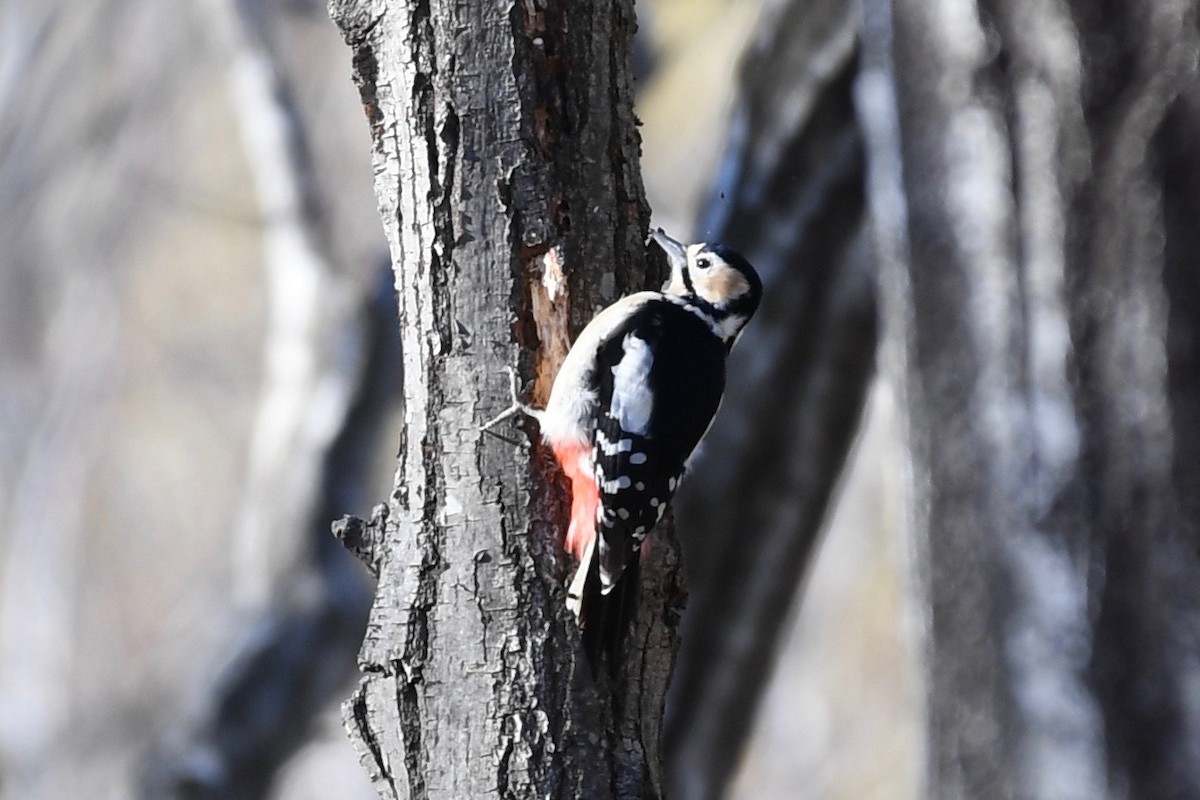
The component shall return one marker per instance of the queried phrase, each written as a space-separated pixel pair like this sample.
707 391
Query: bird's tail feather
604 619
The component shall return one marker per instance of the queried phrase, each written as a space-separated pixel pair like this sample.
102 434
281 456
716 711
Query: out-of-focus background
185 194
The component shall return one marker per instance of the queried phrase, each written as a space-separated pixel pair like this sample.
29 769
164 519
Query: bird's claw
513 410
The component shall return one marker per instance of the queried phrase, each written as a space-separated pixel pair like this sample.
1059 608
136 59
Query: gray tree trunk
790 196
1034 191
507 177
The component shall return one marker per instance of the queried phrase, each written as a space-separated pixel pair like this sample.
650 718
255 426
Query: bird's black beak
676 254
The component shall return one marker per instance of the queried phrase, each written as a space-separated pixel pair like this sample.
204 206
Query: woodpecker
633 398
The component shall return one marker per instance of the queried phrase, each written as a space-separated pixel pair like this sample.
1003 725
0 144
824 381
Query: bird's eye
703 263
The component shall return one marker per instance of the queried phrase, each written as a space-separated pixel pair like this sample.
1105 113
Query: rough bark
1030 174
790 195
506 171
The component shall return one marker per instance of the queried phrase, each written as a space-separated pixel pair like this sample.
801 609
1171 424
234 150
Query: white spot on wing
632 400
637 458
614 486
610 449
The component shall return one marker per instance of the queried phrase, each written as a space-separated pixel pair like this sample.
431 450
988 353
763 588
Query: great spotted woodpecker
633 398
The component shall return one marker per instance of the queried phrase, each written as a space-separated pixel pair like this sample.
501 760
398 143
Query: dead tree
1034 184
507 175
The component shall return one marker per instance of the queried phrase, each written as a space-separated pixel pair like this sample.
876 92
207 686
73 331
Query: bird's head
716 278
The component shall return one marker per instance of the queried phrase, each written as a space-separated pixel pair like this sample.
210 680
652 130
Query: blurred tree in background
1032 165
995 531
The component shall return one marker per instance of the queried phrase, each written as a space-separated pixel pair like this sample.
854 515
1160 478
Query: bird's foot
513 410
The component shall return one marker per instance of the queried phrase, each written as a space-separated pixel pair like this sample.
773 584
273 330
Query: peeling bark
507 176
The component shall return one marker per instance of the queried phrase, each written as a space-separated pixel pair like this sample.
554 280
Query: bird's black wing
659 382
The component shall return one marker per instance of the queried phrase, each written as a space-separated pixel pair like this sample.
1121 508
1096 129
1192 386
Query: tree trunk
507 177
1033 191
